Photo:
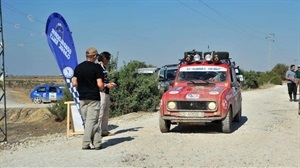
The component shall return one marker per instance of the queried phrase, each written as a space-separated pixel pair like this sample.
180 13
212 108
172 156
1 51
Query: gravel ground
267 136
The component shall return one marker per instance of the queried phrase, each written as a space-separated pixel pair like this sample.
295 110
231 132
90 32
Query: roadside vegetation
134 92
254 79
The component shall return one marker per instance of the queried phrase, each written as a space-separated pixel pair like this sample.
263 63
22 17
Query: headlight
197 57
171 105
211 105
208 57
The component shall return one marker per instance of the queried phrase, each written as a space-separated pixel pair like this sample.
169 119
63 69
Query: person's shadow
115 141
112 127
128 130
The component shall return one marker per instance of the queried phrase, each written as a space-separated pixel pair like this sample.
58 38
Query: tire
37 100
164 125
238 116
227 122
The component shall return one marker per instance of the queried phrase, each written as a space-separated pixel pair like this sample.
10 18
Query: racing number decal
52 96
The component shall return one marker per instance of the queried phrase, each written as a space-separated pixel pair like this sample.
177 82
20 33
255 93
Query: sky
258 34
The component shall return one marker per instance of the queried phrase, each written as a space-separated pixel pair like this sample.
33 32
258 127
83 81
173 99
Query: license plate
191 114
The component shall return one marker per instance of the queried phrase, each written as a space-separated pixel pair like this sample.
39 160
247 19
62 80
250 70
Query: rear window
41 89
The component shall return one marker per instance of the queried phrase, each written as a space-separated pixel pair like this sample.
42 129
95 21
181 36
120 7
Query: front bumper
191 119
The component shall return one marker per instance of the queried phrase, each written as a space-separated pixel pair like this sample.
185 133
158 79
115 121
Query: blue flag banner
61 44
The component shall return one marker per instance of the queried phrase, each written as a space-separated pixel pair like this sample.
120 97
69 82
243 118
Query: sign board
76 118
74 121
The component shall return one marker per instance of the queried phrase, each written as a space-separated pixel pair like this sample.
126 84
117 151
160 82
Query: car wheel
164 125
227 122
238 116
37 100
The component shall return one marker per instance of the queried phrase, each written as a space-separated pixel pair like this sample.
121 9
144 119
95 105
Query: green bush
280 69
134 92
276 80
59 109
251 80
255 79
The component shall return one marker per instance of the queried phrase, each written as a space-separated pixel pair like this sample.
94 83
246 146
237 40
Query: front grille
200 106
191 105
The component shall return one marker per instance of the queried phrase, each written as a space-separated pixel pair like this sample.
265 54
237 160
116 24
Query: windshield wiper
199 80
192 81
204 80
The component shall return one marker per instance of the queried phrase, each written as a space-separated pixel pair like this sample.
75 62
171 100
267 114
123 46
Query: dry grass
21 95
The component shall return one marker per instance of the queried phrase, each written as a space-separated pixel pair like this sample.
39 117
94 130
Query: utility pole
270 39
3 117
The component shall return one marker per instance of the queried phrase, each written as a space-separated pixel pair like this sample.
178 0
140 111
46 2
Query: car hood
195 92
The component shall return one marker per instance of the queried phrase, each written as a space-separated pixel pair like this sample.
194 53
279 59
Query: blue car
46 93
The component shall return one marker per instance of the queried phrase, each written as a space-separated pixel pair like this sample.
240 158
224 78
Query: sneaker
291 100
295 100
108 134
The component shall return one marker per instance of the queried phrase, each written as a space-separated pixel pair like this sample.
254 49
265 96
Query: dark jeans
292 90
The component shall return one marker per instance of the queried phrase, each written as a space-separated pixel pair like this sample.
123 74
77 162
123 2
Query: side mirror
240 78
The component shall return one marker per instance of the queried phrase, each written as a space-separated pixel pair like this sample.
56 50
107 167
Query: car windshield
205 73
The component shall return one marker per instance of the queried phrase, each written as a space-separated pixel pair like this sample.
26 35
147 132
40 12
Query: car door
52 93
41 92
236 90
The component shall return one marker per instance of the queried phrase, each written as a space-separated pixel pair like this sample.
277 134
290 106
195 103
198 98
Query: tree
280 69
113 64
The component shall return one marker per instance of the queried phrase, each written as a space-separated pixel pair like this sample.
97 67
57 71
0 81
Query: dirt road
268 136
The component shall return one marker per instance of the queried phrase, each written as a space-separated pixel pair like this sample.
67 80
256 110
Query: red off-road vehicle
205 90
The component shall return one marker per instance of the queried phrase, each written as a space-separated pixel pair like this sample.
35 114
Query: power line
17 26
231 20
215 21
205 15
29 16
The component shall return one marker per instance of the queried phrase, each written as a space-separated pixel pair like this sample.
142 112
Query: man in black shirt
103 60
88 78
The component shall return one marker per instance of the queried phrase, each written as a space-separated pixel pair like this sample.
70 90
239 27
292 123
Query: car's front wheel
164 125
37 100
227 122
238 116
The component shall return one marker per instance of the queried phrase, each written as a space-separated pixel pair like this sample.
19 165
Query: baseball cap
91 52
298 66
